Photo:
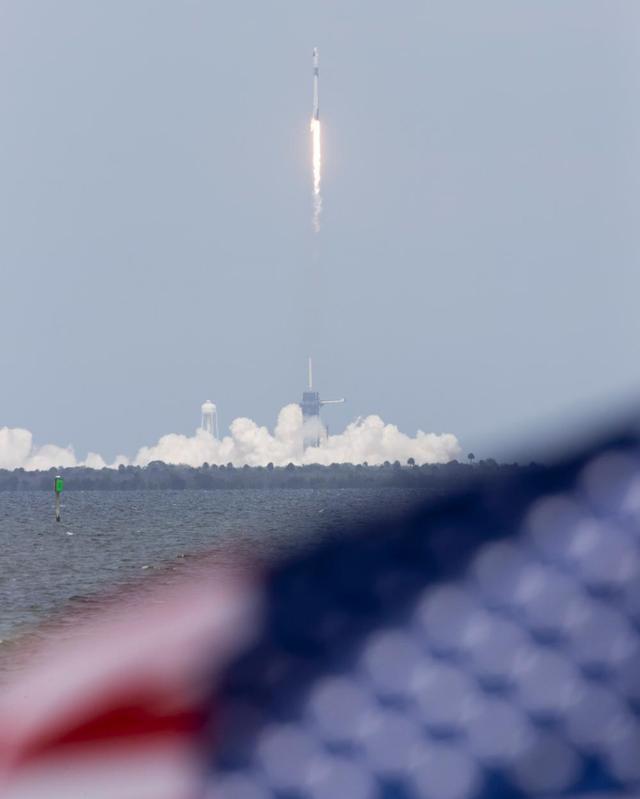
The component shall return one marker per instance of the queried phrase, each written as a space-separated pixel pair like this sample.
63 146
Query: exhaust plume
367 439
316 143
17 450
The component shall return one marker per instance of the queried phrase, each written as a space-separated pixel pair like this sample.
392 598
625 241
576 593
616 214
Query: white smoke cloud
368 439
17 450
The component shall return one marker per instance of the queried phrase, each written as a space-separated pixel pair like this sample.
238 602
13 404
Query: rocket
316 80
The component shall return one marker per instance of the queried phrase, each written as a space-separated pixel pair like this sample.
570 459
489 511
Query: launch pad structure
311 405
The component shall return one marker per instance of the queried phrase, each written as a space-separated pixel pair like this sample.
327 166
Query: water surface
111 538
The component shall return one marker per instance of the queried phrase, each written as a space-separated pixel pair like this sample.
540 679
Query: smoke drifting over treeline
367 439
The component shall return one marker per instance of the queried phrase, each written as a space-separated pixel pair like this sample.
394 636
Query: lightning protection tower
210 418
311 404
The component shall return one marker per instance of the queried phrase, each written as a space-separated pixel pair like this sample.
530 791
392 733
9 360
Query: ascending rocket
316 80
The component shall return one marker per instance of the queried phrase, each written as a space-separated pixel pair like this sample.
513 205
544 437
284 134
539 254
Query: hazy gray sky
477 269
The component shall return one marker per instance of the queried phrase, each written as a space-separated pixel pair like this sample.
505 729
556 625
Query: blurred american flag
488 645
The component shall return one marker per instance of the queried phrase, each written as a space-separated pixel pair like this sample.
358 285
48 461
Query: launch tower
311 404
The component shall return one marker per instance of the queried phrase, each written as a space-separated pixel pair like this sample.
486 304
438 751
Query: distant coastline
157 475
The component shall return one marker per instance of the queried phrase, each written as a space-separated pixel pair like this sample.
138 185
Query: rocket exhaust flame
316 144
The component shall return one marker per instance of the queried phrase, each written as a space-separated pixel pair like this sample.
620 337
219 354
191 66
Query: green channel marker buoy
58 485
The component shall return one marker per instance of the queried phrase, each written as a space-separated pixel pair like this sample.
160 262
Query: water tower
210 418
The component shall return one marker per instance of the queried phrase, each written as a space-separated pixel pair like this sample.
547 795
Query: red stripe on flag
133 719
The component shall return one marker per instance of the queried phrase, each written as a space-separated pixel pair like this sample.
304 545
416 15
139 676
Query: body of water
107 539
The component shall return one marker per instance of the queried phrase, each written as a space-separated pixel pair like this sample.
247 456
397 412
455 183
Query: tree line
159 475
